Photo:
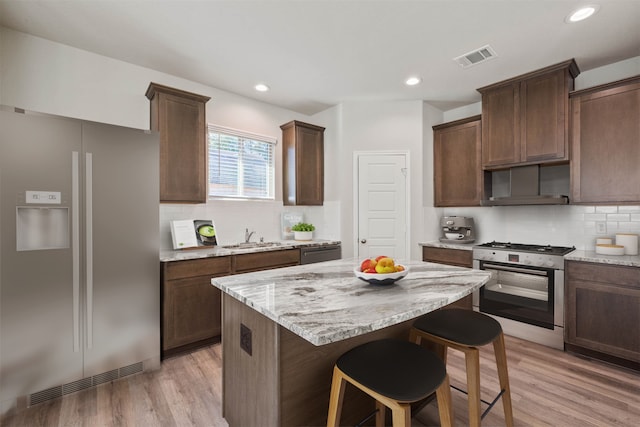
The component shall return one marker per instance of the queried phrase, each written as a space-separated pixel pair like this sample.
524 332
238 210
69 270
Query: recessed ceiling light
261 87
412 81
582 13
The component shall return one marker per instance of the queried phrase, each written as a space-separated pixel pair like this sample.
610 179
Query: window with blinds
241 164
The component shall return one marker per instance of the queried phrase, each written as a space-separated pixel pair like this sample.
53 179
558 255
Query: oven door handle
487 266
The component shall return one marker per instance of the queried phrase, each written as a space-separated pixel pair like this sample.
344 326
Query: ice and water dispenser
42 222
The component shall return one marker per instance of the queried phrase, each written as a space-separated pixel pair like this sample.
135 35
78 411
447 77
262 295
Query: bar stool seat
465 330
395 373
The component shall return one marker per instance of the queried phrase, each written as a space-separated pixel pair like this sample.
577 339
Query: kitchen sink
250 245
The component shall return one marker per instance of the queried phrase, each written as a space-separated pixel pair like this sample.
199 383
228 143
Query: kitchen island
284 329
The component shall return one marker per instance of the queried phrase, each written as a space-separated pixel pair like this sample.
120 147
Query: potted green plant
302 231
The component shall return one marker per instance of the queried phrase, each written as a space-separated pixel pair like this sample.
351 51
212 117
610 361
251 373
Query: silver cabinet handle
363 241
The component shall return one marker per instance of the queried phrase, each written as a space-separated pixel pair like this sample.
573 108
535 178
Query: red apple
367 264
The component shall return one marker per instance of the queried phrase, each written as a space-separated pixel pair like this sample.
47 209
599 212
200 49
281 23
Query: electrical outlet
245 338
601 227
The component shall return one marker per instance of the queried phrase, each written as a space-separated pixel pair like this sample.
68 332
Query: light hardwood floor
548 387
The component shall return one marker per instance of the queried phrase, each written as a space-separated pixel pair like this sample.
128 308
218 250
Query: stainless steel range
526 290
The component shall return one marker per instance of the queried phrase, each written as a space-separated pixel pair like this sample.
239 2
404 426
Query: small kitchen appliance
457 229
526 290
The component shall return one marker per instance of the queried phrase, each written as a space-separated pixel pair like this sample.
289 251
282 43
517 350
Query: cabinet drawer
265 260
594 272
457 257
214 266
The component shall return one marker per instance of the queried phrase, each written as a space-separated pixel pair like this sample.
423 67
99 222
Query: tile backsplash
263 217
563 225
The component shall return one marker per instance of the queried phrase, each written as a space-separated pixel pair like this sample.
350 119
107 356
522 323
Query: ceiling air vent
477 56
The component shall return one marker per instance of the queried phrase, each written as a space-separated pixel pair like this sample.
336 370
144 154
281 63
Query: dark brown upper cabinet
525 119
180 118
605 143
457 166
302 164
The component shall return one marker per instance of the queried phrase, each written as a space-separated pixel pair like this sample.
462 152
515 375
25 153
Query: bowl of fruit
382 270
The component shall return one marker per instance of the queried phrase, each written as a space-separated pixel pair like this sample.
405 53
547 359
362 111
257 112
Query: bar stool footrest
491 404
367 418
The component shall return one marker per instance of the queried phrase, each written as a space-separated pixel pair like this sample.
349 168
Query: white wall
381 126
40 75
48 77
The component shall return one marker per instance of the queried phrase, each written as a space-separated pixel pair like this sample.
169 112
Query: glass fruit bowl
381 279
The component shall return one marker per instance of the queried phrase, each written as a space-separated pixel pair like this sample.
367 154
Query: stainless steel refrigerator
79 268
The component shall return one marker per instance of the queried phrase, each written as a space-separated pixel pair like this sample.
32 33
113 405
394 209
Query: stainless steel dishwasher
309 255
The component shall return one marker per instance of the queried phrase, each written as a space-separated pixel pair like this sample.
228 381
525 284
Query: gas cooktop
520 247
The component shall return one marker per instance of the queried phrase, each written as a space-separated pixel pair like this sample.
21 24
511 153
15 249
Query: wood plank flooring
549 388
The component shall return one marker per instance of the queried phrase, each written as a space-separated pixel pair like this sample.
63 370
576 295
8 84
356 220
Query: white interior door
382 205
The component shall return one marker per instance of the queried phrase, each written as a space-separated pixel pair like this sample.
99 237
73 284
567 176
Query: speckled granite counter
577 255
439 244
187 254
591 256
325 302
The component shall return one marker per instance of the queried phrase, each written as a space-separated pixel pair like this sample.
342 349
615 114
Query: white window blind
241 164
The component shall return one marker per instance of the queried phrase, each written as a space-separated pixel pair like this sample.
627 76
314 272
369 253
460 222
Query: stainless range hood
524 189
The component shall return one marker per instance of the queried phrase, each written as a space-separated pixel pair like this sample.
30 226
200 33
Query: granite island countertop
325 302
215 251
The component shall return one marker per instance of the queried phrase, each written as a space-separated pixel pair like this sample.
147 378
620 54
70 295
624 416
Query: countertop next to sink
187 254
577 255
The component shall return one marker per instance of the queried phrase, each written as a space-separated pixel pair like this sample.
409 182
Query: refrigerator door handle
89 244
75 245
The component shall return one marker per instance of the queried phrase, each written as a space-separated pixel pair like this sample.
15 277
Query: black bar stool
395 373
466 330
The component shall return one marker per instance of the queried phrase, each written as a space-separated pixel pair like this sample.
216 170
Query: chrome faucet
247 235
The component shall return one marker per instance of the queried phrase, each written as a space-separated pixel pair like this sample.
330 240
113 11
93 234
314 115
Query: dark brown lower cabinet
455 257
191 314
191 305
603 312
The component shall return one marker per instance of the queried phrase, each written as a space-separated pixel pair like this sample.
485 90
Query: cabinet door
524 118
606 144
544 126
190 303
191 311
501 126
182 150
603 309
179 117
457 164
303 164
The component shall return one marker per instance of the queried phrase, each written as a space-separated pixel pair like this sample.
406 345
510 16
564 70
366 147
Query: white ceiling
315 54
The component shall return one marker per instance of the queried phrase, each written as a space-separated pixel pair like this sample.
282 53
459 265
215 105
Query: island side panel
305 378
250 382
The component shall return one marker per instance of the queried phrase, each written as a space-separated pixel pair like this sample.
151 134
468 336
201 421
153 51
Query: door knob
363 241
